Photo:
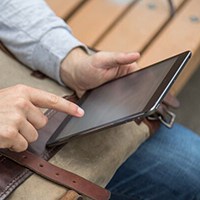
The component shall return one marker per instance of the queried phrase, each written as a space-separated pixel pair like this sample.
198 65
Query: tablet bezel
149 109
167 81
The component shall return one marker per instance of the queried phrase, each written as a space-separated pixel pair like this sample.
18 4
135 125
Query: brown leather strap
57 175
12 176
13 171
163 114
171 101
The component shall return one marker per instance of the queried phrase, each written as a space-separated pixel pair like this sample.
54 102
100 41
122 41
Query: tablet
122 100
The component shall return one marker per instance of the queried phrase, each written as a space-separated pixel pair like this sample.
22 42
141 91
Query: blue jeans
165 167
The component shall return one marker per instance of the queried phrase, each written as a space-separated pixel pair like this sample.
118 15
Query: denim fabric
166 167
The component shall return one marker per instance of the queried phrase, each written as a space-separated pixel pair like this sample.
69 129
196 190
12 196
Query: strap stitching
14 182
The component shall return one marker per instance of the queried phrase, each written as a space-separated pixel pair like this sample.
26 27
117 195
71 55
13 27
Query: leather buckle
166 117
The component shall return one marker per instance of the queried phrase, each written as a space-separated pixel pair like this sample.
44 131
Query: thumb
108 60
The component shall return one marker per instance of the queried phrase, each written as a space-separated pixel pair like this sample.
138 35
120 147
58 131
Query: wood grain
63 7
94 18
181 34
135 30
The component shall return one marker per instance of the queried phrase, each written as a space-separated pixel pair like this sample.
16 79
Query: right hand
20 114
82 72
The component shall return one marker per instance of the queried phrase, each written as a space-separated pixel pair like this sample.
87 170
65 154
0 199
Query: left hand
82 72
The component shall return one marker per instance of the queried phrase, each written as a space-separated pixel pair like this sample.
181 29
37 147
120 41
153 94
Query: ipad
122 100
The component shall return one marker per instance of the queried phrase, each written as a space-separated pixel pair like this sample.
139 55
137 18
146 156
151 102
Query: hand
20 116
81 71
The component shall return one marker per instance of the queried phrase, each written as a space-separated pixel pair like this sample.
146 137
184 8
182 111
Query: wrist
70 68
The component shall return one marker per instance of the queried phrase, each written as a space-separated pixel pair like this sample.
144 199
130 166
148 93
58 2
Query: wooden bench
157 29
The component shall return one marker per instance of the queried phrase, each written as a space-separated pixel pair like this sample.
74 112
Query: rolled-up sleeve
35 35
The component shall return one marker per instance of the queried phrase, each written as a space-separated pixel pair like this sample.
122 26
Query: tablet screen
121 100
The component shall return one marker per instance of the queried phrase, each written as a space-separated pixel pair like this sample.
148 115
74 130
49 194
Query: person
165 167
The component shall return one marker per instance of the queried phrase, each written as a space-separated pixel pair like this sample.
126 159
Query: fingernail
80 111
138 53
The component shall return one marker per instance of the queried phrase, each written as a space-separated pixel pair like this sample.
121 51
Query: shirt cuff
50 51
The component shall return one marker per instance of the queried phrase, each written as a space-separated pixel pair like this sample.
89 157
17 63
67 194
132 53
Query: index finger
44 99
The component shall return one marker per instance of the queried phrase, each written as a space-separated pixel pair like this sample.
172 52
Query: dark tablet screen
123 99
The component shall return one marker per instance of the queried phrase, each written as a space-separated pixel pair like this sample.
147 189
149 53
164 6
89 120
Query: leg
167 166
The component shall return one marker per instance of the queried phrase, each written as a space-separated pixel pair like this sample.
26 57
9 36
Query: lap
167 166
92 156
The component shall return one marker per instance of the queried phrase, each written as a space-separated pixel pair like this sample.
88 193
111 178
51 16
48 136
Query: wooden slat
63 7
137 28
94 18
141 23
180 34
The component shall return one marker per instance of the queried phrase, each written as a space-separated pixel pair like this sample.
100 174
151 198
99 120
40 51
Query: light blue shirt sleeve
35 35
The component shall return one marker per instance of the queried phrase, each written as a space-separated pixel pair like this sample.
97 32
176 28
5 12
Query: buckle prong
167 117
